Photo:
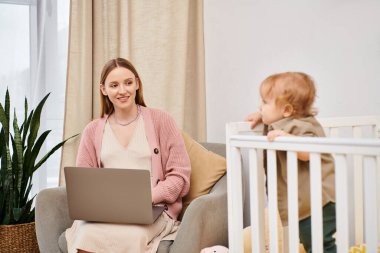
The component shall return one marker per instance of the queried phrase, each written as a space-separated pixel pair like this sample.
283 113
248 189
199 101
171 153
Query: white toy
215 249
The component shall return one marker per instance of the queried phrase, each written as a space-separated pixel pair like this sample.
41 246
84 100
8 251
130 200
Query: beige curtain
163 39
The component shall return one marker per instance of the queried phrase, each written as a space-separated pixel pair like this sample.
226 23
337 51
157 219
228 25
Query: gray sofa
204 223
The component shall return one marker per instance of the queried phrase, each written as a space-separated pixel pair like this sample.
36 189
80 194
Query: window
15 51
33 49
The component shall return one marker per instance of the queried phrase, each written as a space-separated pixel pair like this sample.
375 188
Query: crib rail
333 125
366 154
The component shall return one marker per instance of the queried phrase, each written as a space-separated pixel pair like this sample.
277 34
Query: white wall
336 42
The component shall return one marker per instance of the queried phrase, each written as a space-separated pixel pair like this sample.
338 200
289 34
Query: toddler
287 110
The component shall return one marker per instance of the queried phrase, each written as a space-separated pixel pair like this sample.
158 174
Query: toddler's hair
294 88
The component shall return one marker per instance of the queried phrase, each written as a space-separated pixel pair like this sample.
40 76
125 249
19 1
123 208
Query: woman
130 135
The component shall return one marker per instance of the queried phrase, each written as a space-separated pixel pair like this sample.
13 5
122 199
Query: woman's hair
105 104
294 88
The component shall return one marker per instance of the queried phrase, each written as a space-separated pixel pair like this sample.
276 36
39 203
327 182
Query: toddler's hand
275 133
254 119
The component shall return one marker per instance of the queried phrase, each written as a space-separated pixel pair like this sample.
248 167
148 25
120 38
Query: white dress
122 238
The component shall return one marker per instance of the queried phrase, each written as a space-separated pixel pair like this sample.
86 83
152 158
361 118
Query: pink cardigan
170 161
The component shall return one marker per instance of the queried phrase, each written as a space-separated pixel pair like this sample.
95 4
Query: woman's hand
254 119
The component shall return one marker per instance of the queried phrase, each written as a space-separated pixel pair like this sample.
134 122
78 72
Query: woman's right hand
254 119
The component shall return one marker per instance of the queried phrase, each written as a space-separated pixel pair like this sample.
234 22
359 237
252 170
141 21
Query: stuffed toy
362 248
215 249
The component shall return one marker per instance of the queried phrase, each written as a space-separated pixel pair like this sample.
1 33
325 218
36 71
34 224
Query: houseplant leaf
52 151
19 156
35 122
29 164
17 152
4 120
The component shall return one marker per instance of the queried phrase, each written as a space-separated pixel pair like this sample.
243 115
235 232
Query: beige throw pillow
206 169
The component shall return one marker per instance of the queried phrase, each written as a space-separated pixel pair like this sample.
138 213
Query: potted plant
19 150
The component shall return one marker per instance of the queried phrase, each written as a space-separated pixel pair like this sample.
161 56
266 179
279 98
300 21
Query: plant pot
19 238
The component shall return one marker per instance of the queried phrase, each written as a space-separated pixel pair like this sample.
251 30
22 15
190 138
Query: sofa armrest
205 222
52 218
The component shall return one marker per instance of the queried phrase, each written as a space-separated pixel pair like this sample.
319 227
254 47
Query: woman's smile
123 99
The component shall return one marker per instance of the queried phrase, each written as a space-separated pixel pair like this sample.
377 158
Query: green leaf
35 123
9 163
17 146
25 110
18 154
2 151
24 198
52 152
27 212
8 182
7 106
14 170
1 141
6 219
2 204
36 150
25 129
17 213
4 120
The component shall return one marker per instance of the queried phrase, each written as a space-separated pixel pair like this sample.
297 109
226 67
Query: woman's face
120 86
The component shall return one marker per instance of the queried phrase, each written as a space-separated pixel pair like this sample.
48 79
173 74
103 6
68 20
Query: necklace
130 122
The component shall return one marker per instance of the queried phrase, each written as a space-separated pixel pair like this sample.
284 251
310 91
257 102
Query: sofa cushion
206 169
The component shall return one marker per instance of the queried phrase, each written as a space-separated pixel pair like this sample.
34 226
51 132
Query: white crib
358 151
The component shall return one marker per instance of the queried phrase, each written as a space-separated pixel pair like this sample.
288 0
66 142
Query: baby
287 110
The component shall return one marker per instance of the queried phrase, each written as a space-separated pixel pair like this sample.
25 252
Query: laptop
110 195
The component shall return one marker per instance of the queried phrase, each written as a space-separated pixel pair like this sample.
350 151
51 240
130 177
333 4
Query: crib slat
334 132
327 130
370 204
358 190
378 196
316 202
235 201
357 132
285 239
272 202
375 130
358 199
257 190
292 170
341 189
